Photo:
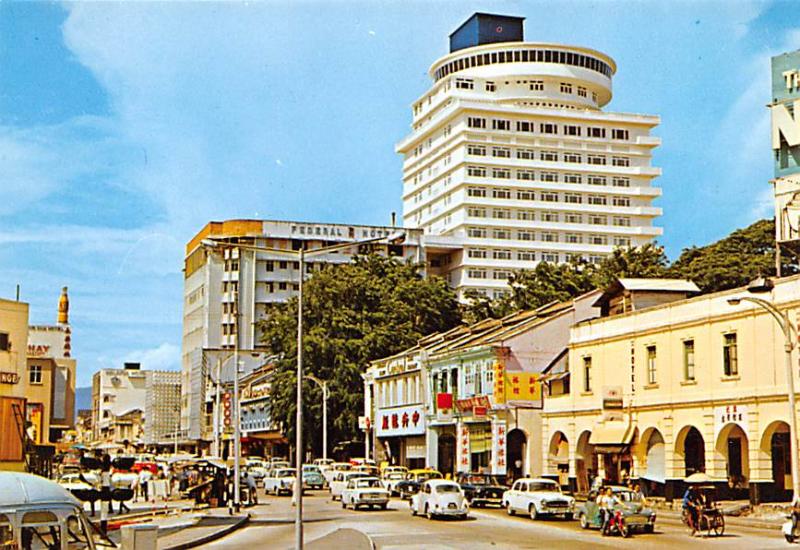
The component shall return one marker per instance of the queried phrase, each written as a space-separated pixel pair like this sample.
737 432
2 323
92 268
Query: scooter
616 524
790 534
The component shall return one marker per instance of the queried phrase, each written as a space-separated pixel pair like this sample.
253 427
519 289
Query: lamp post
323 384
301 256
217 417
782 318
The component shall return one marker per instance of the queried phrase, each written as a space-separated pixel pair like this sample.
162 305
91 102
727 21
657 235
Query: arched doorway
654 472
447 453
690 445
516 452
732 447
585 462
776 444
558 458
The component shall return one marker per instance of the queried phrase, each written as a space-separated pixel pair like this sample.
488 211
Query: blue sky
125 127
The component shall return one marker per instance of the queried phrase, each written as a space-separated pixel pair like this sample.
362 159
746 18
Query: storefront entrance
447 453
517 453
480 447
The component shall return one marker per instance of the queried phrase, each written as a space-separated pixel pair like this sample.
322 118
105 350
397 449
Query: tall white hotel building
512 161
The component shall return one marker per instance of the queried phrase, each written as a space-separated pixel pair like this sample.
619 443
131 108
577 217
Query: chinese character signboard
400 421
499 391
462 448
468 404
523 386
729 414
499 447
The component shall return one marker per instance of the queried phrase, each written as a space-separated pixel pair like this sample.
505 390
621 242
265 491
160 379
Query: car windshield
424 476
367 483
314 469
544 486
395 475
356 475
447 488
284 472
342 467
480 479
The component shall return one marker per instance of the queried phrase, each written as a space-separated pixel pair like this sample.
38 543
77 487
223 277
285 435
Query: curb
211 536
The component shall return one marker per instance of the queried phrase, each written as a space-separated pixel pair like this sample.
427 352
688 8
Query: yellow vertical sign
499 391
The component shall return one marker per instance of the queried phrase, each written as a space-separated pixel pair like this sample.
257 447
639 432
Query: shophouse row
646 380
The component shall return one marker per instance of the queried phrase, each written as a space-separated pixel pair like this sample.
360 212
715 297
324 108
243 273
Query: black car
414 479
482 489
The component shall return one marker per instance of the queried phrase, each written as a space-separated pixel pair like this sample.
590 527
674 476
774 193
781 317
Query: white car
440 497
391 480
365 491
335 468
279 480
340 481
72 482
538 497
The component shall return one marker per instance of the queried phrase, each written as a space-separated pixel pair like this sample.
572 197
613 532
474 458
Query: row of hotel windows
525 56
545 236
730 362
548 128
480 273
544 196
533 85
543 176
548 156
550 217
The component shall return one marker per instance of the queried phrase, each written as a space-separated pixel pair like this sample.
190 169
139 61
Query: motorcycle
616 525
791 534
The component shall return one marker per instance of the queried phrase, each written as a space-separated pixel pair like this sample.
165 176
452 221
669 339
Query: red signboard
479 411
444 400
466 405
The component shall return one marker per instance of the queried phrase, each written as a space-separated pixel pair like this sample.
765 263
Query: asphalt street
485 529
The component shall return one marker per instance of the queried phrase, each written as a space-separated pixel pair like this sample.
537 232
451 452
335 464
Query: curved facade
512 161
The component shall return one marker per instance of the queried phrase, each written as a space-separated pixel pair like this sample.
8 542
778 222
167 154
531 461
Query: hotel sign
338 231
9 378
729 414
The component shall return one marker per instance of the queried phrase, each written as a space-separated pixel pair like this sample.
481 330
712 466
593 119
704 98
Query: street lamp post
323 384
782 318
301 256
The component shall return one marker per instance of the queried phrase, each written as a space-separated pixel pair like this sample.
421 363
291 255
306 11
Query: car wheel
344 506
384 506
649 528
428 512
583 521
568 516
413 511
509 510
532 511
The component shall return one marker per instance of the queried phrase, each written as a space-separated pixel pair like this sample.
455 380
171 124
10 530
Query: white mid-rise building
512 160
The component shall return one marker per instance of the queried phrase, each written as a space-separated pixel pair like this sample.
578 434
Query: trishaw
709 517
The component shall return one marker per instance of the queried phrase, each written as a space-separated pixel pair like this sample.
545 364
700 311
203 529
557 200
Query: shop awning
611 434
554 376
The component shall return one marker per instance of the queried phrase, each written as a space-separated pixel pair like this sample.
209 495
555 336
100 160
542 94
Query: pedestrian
638 494
144 477
252 493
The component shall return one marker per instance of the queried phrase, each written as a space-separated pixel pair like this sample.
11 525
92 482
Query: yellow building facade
693 385
13 347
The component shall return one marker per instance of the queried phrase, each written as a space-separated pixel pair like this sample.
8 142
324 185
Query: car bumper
378 501
557 510
450 511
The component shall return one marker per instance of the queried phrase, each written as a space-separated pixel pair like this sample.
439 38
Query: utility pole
298 482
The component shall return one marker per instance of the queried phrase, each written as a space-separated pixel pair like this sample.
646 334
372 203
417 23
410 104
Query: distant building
51 373
162 408
220 283
512 160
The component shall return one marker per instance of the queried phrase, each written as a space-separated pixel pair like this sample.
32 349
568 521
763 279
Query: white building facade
228 290
512 161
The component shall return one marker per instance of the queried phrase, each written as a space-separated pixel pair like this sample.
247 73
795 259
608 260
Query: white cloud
164 357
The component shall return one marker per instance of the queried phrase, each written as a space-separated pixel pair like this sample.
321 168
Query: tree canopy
354 313
728 263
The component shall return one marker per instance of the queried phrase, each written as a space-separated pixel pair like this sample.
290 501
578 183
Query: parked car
538 497
278 462
279 481
259 473
482 489
637 516
37 513
439 497
414 478
391 480
323 462
341 480
312 477
368 469
335 468
365 491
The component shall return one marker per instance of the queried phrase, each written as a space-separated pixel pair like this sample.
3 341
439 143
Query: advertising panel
499 447
462 448
401 421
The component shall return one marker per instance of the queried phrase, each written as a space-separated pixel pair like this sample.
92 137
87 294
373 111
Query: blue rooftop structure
486 28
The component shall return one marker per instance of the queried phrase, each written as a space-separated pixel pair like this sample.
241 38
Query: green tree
734 260
355 313
547 282
646 261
